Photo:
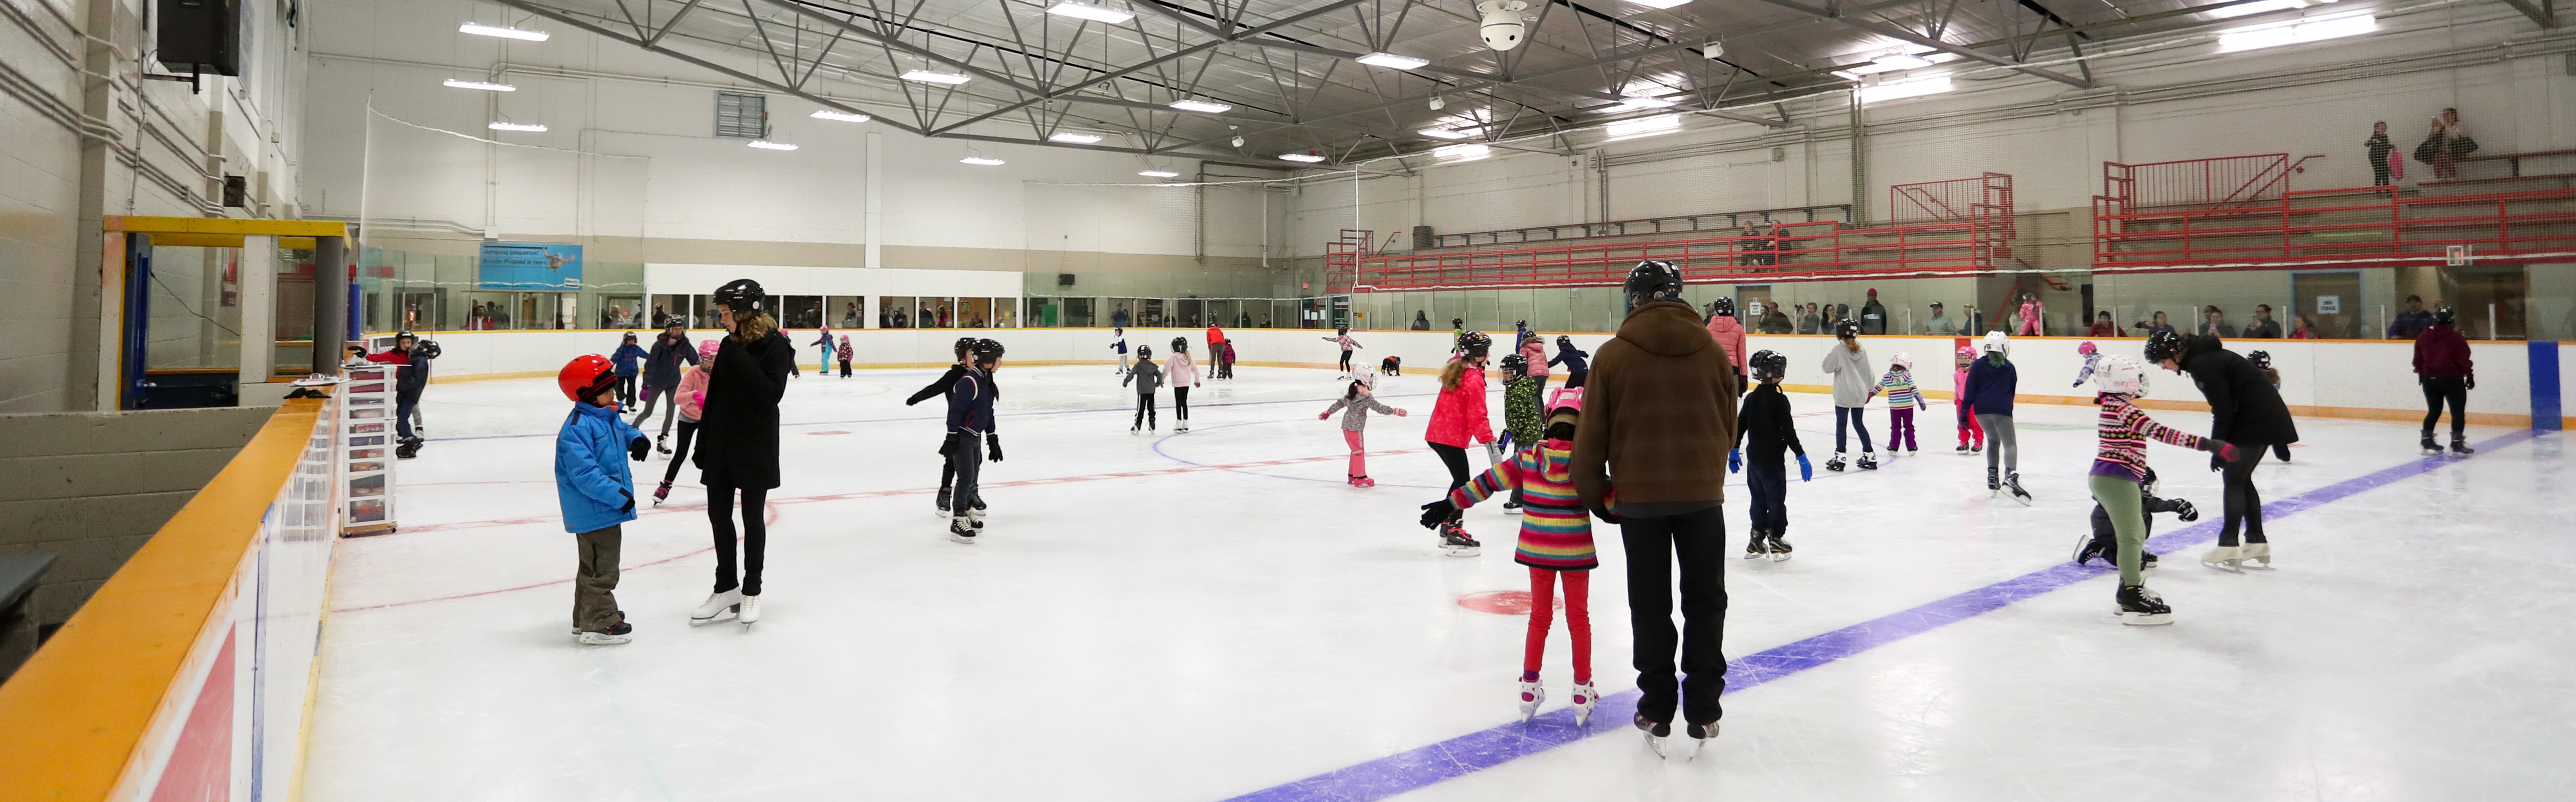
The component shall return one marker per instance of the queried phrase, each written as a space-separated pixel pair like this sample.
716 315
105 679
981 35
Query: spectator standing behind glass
2102 326
2299 328
1807 321
2263 327
1975 321
2213 322
1873 317
1775 321
2411 322
2379 148
1940 324
2147 328
1421 320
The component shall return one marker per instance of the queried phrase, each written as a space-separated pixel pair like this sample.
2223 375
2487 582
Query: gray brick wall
92 487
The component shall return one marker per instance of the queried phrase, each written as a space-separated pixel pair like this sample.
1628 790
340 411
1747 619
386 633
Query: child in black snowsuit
1768 433
1570 357
947 445
2103 545
1147 377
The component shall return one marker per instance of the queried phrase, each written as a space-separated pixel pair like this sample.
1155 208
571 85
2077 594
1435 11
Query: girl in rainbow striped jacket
1902 400
1556 544
2119 473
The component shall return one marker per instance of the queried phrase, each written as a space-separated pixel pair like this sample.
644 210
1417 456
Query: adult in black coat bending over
738 436
2244 410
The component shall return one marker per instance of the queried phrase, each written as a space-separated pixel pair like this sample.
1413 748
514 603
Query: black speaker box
199 36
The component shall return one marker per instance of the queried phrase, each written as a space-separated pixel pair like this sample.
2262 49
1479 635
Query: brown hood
1666 328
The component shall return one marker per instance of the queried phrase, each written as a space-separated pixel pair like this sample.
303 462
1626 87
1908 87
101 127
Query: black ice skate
959 530
1779 546
1869 460
662 444
2012 482
1700 735
1656 732
1755 548
1835 464
407 450
1454 540
1963 448
1993 483
2139 606
942 500
2431 449
2460 446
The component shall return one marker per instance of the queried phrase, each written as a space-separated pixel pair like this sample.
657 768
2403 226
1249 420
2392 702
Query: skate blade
2252 565
958 538
728 612
1754 555
1462 551
2230 566
1655 745
1779 556
2024 499
2145 619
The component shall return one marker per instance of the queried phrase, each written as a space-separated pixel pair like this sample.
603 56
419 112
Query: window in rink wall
895 311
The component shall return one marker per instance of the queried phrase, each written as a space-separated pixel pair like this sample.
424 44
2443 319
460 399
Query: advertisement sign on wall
530 266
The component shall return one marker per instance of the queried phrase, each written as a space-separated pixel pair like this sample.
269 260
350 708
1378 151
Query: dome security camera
1437 102
1238 141
1501 25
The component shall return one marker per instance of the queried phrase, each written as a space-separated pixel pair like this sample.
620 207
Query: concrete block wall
91 487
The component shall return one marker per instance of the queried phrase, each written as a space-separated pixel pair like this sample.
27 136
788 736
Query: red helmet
586 376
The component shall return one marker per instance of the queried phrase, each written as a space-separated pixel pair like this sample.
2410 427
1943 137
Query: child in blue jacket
596 491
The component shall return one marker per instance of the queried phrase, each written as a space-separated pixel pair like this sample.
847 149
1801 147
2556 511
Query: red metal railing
2193 182
1673 224
2368 227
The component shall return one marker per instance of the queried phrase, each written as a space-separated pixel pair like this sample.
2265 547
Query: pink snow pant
1359 452
1968 425
2029 327
1900 428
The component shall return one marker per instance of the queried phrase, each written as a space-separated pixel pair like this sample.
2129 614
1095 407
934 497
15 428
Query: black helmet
1563 341
1515 365
2443 314
1652 281
425 349
1144 352
2261 359
742 295
1725 307
1768 366
630 336
401 335
964 345
1336 329
1457 322
1521 324
1180 345
1474 343
2164 345
1846 327
986 351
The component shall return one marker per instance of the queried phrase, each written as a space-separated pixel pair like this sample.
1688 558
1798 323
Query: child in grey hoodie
1853 381
1147 377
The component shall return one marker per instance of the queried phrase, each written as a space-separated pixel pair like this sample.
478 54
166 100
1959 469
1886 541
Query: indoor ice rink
388 381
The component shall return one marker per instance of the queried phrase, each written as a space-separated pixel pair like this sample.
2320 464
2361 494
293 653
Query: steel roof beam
2544 12
1901 33
782 85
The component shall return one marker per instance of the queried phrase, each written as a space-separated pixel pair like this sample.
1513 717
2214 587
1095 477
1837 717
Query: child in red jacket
1458 418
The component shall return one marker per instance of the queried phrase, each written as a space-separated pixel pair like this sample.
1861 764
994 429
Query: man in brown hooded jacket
1659 415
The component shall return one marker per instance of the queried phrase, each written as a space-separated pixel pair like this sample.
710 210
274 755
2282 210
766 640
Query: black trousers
2244 502
1145 410
403 406
1698 540
1180 403
680 456
755 535
626 390
1768 480
2440 389
968 458
1574 378
1456 458
1346 360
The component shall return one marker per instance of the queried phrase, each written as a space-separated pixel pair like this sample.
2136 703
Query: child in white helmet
2120 471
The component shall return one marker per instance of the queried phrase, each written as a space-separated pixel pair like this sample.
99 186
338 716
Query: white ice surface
1195 635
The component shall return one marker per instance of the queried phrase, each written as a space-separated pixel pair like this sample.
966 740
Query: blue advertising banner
530 266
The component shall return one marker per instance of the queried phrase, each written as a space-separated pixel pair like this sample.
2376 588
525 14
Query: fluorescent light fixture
1902 61
1647 103
1308 158
1442 133
1093 13
1659 3
2292 33
981 160
2260 6
1392 61
1643 127
839 116
530 128
930 77
1894 90
486 86
1074 138
1159 174
1461 153
503 31
764 144
1201 106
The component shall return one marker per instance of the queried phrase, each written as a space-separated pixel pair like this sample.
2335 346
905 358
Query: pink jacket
1730 336
1459 415
1180 371
1536 353
692 392
1959 389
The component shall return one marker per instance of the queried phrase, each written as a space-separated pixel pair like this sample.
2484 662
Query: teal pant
2120 498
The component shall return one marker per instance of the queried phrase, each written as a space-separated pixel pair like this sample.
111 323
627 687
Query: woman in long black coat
2244 410
738 436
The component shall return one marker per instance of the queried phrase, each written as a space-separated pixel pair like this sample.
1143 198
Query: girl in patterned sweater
1556 544
2119 470
1355 404
1902 400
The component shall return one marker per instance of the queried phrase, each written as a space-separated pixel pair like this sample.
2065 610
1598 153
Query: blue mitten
1806 472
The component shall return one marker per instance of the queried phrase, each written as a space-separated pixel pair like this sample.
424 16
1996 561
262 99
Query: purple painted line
1457 757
